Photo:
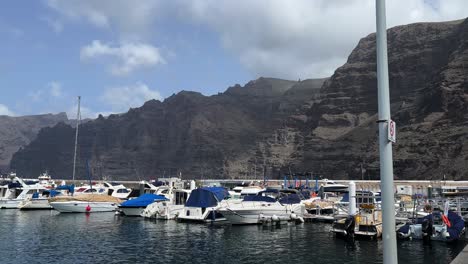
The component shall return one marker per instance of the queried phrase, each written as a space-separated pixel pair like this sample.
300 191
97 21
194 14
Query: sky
117 54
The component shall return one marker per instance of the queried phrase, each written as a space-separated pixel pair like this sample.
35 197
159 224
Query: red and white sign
391 131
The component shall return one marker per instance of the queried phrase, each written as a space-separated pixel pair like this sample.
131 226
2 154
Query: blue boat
202 205
135 207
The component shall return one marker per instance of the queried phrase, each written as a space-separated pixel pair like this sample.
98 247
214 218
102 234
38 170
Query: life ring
446 220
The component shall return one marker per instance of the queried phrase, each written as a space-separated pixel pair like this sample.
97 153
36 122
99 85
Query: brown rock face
17 132
428 86
273 126
190 133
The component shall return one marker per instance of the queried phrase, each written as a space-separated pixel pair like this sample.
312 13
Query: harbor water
51 237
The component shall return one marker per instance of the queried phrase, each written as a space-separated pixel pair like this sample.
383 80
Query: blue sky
118 54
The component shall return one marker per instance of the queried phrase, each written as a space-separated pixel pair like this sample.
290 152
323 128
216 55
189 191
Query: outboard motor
349 226
427 230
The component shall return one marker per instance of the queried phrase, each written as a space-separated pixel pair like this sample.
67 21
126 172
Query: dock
462 257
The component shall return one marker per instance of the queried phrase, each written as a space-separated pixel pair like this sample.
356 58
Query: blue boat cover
206 197
70 188
290 199
259 198
14 185
143 201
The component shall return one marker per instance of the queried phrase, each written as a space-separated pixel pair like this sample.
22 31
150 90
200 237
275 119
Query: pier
462 257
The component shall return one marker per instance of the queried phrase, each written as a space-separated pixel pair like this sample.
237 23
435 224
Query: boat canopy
70 188
293 198
143 201
206 197
14 185
259 198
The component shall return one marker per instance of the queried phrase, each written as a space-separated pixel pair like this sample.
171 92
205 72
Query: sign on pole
391 131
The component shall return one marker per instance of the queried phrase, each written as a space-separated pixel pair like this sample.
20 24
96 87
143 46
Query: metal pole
78 117
386 163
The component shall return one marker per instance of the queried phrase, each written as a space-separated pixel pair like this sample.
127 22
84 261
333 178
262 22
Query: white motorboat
84 207
261 208
331 186
17 191
117 190
202 204
135 207
46 180
90 203
168 209
106 188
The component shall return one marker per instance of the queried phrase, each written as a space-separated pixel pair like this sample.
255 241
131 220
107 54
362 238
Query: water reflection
47 236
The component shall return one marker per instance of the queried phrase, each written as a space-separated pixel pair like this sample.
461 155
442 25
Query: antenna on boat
78 119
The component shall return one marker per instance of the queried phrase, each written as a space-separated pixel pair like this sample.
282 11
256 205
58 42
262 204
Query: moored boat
202 204
89 203
135 207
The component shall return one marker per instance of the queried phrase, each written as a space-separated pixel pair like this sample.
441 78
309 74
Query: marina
345 218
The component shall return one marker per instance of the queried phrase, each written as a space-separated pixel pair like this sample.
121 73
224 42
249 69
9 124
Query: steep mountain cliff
188 132
271 126
428 86
16 132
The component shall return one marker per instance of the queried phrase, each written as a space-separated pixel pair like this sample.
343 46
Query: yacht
117 190
270 205
46 180
106 188
331 186
15 192
202 204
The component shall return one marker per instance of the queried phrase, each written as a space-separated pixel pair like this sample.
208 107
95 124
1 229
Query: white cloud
130 56
52 89
120 99
55 89
293 39
281 38
132 20
5 111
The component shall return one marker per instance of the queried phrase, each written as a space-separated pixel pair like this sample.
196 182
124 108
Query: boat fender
275 218
294 216
88 208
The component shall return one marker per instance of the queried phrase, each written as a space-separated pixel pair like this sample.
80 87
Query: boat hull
9 203
35 204
246 217
81 207
196 214
132 211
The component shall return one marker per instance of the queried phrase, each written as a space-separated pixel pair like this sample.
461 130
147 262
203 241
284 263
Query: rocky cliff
17 132
271 126
196 135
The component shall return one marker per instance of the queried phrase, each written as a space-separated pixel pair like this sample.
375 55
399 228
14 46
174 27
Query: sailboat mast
78 119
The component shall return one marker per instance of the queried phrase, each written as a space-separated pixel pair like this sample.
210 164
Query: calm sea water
51 237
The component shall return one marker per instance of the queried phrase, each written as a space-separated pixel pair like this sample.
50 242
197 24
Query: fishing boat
437 225
367 223
202 204
135 207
